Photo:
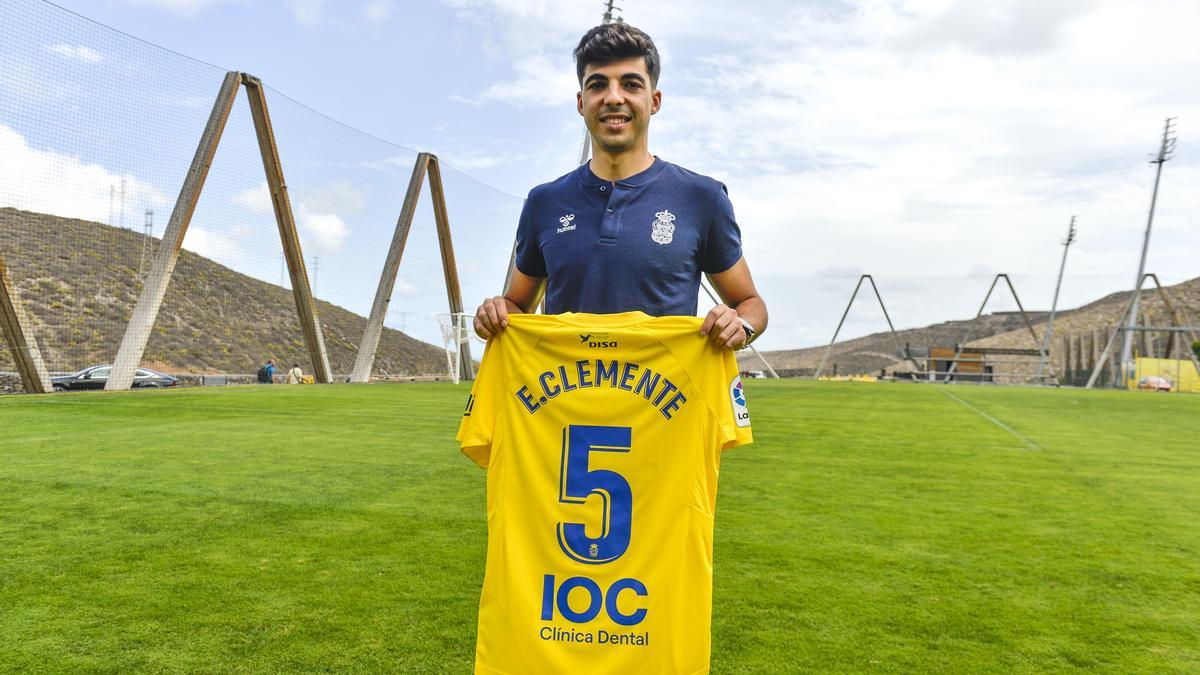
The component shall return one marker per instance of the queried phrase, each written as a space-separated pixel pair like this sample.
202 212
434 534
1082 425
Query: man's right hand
491 317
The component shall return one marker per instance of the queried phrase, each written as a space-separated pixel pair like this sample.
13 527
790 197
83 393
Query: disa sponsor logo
598 341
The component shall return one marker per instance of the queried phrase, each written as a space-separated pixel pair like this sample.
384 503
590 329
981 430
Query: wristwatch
750 332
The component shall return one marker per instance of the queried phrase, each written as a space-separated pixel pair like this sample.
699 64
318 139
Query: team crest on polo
663 229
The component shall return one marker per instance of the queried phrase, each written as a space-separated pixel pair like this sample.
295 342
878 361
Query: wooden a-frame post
829 348
137 332
306 306
1042 349
1176 318
425 165
18 333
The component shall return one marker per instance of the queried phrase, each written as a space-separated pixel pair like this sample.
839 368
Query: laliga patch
737 396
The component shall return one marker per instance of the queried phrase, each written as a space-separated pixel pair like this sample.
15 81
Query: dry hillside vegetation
869 354
78 283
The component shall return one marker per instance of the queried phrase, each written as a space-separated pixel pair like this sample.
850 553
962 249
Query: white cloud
47 181
256 199
540 81
379 11
306 12
994 26
225 248
472 162
76 52
183 8
322 232
909 137
336 197
325 231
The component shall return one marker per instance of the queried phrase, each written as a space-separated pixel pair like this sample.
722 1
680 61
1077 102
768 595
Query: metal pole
1103 360
1164 154
825 356
587 137
1054 304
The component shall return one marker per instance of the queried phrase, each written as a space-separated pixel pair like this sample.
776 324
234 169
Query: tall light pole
587 137
1054 305
147 234
1165 149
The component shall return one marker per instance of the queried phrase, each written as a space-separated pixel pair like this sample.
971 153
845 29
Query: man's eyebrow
602 77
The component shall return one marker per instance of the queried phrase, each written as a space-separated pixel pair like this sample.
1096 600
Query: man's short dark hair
615 42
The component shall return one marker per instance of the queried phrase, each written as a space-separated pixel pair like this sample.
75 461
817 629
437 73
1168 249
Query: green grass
889 528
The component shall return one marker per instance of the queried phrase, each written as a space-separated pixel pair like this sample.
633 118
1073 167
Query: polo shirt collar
590 179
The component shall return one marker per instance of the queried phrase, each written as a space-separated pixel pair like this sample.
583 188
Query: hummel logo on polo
567 224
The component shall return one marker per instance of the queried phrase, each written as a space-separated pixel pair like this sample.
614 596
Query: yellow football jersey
602 437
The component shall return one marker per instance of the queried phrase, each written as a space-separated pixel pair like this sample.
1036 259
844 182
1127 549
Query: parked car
1154 383
96 377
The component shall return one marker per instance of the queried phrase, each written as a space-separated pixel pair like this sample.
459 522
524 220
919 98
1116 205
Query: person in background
295 375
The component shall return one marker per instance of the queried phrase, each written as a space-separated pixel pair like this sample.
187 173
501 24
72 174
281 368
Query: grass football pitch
871 527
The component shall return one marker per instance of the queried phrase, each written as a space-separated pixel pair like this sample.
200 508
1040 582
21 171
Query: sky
930 143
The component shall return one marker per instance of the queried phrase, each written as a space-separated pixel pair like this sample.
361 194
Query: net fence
1005 337
97 131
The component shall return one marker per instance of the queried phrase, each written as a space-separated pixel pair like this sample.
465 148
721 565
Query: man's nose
614 95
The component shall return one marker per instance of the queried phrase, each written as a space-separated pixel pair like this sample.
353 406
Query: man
627 231
295 375
266 374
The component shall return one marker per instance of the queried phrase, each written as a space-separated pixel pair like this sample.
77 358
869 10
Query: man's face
616 103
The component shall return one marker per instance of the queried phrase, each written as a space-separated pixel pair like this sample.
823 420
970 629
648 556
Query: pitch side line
1028 443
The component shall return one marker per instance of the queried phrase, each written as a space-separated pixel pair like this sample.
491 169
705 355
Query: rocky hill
869 354
1106 312
866 355
78 283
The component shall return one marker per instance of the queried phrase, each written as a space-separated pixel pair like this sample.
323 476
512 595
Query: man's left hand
724 327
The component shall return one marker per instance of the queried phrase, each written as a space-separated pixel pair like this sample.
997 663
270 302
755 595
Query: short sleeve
478 425
529 259
732 409
723 241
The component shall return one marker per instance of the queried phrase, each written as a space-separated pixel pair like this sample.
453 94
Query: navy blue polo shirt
637 244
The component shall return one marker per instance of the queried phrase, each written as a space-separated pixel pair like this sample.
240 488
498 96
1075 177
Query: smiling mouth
614 121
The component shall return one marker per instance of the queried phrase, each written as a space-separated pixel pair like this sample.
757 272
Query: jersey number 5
577 483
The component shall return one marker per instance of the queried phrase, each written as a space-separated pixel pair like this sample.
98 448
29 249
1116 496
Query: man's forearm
513 308
754 310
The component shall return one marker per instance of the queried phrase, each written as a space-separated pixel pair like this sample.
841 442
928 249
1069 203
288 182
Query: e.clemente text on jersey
659 391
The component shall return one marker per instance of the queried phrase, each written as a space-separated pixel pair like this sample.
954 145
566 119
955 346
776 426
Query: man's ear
656 104
579 102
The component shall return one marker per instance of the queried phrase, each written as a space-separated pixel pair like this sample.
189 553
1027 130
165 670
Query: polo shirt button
609 210
603 188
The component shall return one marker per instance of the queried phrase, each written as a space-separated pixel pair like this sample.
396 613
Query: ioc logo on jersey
555 597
